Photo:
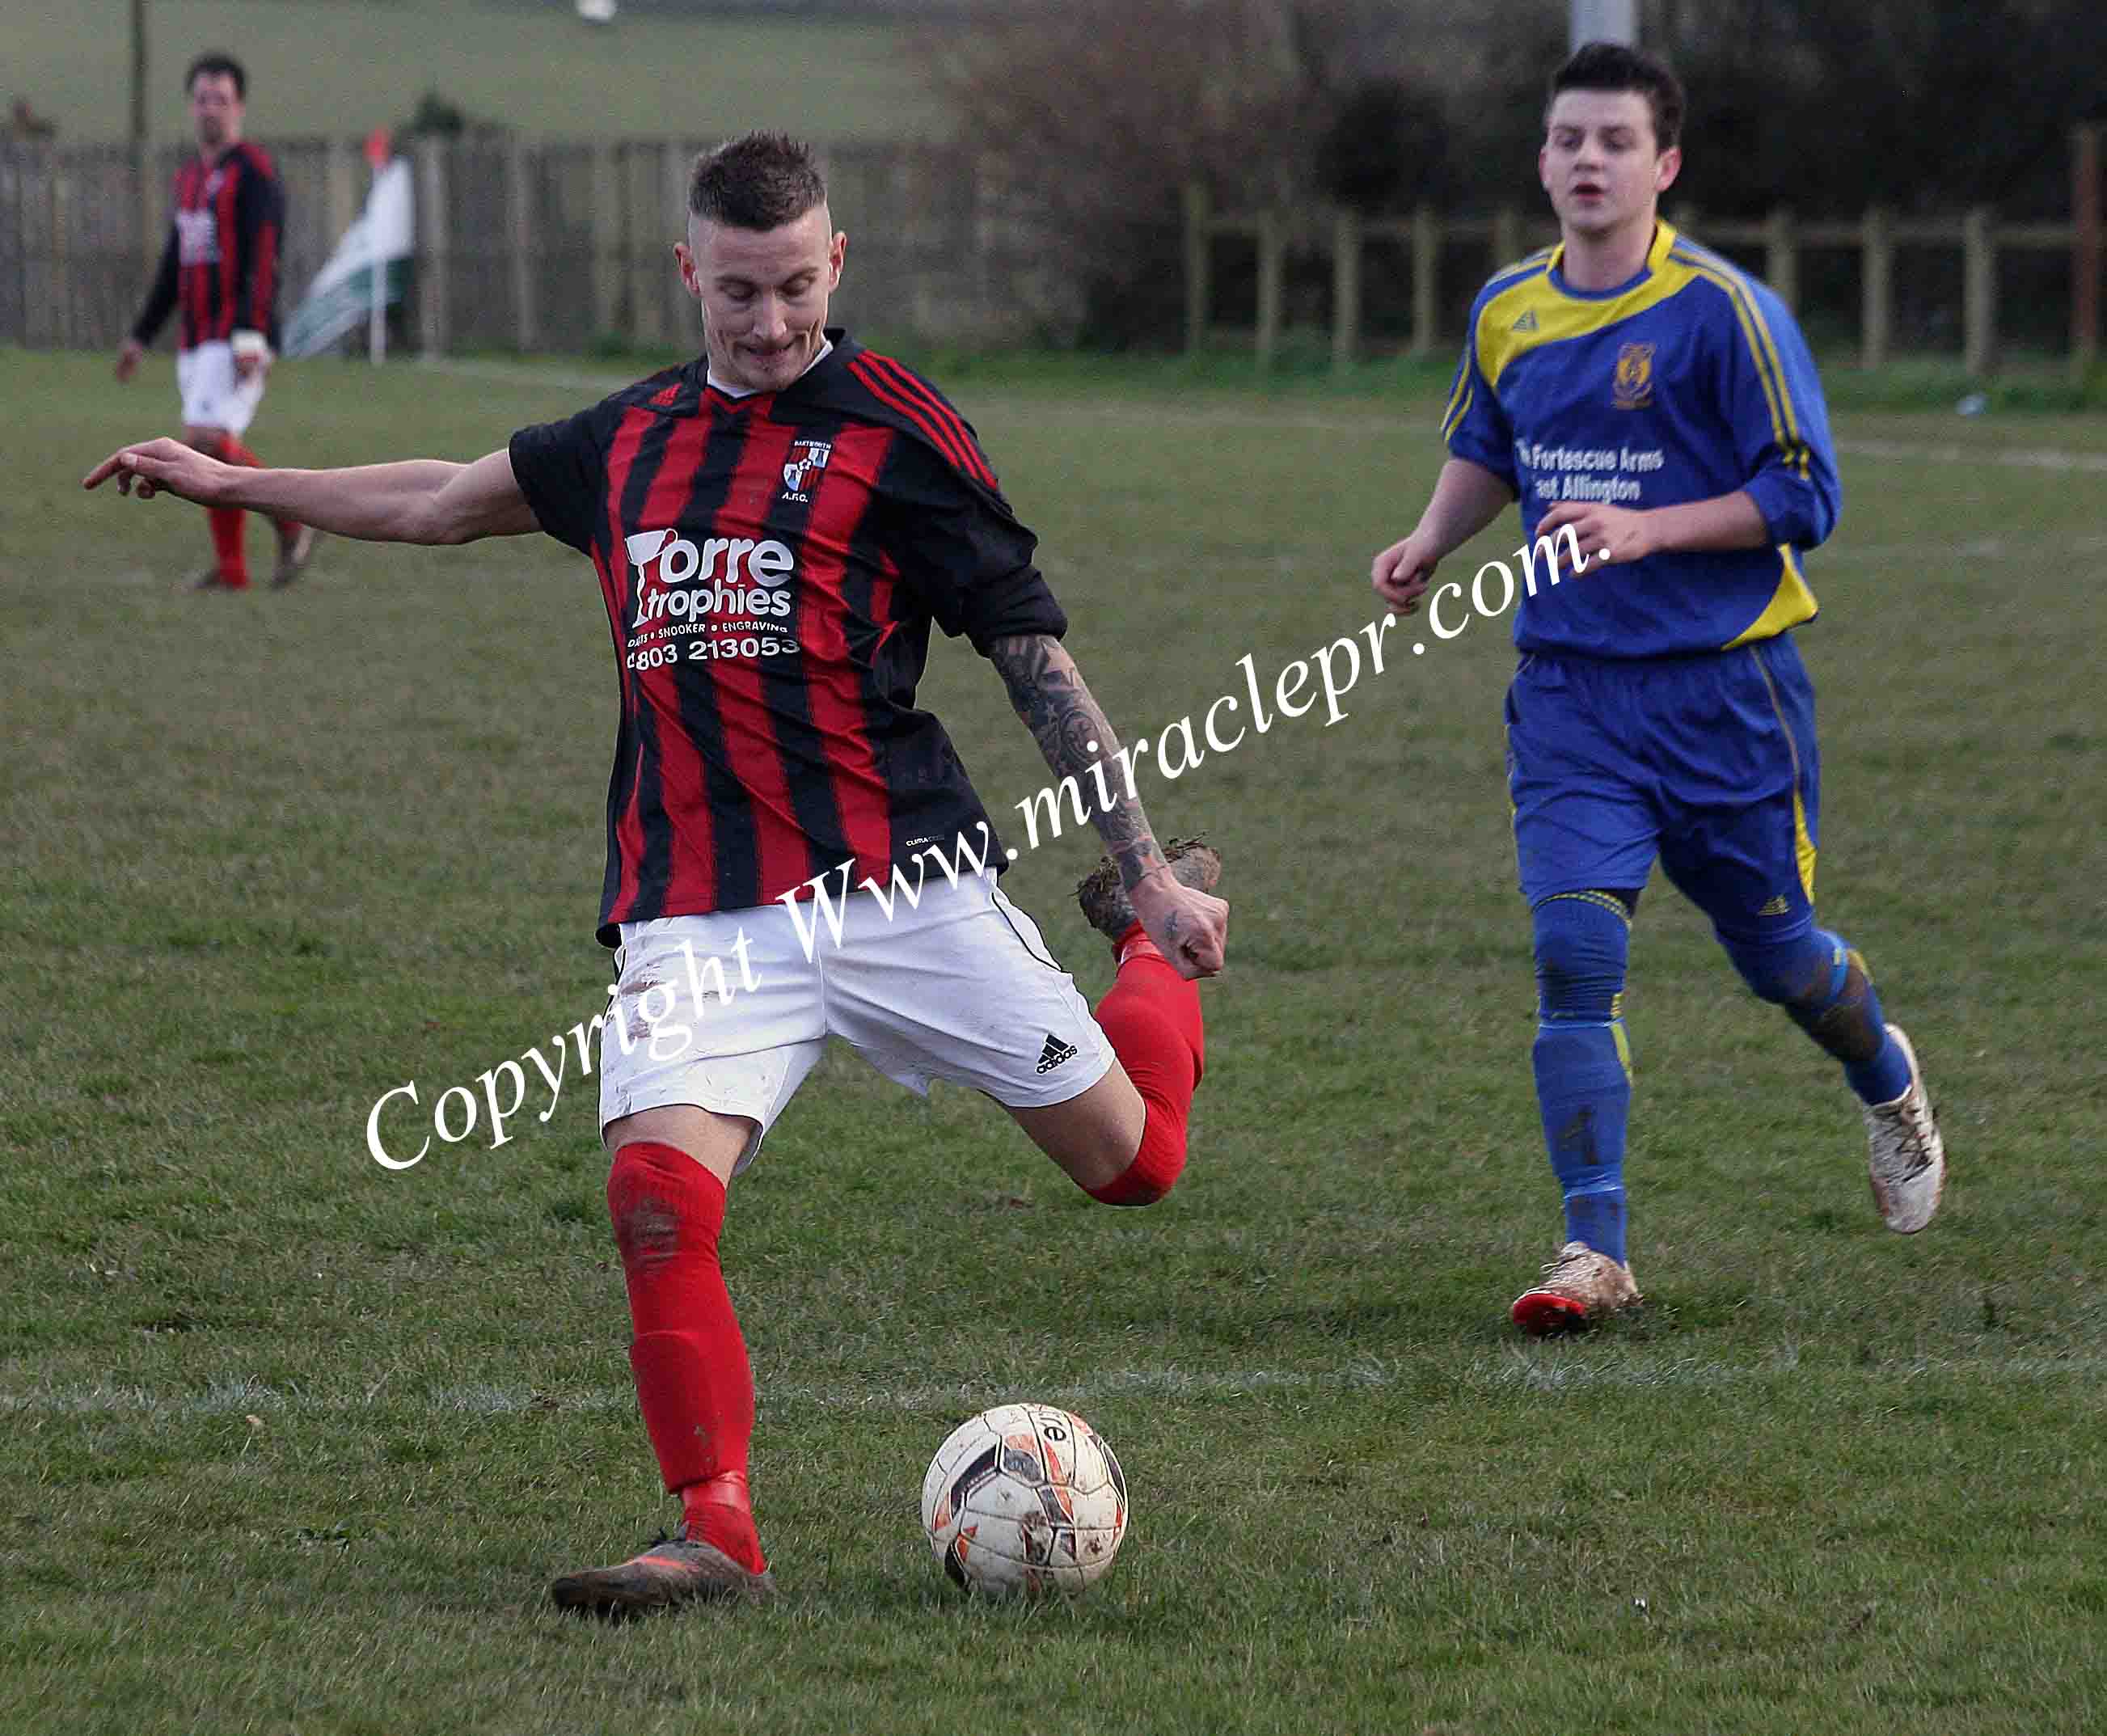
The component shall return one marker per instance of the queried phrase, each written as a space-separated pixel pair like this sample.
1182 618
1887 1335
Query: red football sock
1151 1015
694 1382
226 527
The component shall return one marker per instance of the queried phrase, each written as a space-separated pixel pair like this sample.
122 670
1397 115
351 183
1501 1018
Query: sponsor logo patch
737 592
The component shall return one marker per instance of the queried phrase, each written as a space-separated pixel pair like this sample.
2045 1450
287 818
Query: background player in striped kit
776 526
1659 707
220 269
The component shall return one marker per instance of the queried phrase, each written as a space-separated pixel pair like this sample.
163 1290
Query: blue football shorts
1707 761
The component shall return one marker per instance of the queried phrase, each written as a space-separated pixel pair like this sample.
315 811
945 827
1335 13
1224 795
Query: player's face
1599 162
764 294
216 110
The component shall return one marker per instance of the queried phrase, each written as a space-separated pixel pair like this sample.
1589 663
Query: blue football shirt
1688 381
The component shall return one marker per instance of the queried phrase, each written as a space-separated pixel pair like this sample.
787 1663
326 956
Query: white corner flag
370 268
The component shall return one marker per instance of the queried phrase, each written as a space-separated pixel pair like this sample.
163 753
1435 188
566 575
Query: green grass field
341 68
291 1443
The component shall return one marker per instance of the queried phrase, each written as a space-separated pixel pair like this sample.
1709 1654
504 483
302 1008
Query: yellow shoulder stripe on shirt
1459 400
1557 316
1529 265
1762 350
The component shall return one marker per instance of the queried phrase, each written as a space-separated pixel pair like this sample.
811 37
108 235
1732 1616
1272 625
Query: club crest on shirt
1632 387
806 456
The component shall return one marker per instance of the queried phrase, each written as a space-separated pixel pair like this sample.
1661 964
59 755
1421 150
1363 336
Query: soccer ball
1024 1498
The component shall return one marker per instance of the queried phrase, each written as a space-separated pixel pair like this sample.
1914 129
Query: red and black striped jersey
221 264
771 565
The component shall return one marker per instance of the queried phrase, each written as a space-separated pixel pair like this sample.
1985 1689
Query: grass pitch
289 1442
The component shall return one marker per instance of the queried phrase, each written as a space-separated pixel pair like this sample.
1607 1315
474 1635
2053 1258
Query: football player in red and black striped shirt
220 269
776 526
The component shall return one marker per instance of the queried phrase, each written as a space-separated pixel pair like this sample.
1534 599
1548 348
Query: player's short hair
758 181
1612 66
215 64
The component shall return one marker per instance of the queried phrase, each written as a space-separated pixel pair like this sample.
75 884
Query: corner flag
370 268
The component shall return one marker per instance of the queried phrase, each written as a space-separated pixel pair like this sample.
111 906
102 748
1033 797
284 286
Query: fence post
339 189
519 243
64 298
1272 259
432 286
1346 290
2085 247
1199 258
1426 279
1979 309
1782 256
153 220
1876 275
1506 237
673 163
607 203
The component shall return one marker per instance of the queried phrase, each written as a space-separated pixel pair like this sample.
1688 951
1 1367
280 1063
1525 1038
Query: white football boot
1578 1288
1905 1158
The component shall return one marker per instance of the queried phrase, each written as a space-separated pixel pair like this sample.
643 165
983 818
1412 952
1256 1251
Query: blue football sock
1585 1096
1824 985
1887 1075
1582 1061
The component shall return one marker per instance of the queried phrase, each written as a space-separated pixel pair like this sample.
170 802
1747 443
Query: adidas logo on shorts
1055 1053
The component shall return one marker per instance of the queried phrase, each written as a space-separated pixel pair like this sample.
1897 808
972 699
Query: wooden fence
541 245
1874 237
538 245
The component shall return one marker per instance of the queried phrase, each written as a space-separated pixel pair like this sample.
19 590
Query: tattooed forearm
1080 747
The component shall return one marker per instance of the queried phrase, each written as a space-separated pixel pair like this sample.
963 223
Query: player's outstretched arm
1190 927
1467 498
419 500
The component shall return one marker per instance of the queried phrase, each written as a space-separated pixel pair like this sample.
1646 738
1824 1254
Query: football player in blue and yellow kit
1633 387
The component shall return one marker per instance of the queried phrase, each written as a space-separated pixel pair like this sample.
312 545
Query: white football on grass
1024 1498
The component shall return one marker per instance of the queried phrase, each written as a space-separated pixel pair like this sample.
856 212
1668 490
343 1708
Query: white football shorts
212 398
727 1011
